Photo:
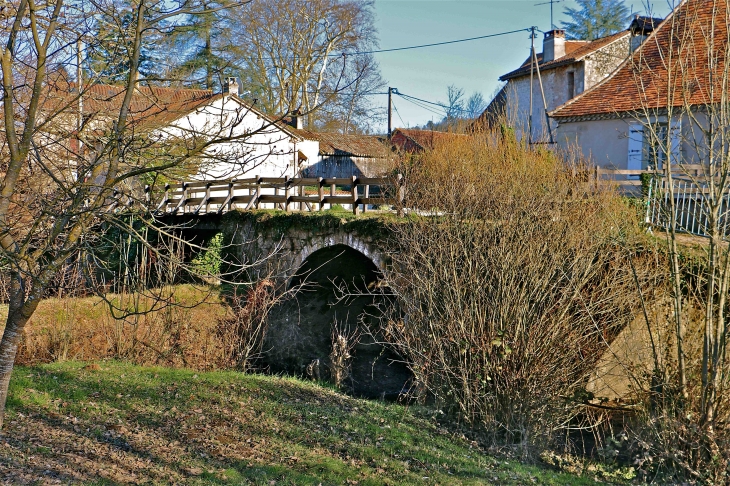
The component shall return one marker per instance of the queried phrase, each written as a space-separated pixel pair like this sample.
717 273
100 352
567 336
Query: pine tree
202 45
108 58
595 19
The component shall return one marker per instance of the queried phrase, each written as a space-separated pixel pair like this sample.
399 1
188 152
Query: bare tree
682 110
294 55
73 150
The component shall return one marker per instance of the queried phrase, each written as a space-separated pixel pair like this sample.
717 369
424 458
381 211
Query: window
571 85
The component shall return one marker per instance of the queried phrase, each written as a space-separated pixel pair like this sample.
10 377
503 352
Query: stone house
567 68
650 110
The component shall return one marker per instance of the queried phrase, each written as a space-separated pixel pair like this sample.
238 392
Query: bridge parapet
302 194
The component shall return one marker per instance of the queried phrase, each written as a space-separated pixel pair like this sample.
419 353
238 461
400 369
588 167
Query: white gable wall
249 143
586 73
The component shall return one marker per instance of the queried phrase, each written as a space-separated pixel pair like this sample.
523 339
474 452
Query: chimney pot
231 86
297 120
553 45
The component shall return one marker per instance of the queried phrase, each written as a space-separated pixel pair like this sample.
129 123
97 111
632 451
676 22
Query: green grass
122 423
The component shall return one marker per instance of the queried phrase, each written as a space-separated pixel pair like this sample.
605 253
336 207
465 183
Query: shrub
510 283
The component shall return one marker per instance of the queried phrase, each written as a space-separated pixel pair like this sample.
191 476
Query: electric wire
416 101
378 51
405 48
398 113
425 107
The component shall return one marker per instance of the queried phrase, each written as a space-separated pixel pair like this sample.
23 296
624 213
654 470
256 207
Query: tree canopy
594 19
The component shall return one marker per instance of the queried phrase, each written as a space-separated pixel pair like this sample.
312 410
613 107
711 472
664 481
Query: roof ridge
621 66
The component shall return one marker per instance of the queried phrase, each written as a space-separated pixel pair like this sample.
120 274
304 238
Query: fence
690 191
285 193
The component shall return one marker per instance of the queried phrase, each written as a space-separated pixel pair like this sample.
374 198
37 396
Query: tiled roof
647 81
410 140
346 144
149 105
574 52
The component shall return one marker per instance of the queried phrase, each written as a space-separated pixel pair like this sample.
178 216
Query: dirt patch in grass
123 424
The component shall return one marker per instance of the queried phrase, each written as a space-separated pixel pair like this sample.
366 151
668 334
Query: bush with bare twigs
511 281
243 329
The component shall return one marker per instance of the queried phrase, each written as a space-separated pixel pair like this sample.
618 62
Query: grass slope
115 423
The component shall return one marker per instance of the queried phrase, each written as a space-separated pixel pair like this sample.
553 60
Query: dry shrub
344 342
183 332
243 330
511 281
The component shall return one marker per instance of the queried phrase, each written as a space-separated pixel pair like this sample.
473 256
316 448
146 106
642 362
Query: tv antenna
551 2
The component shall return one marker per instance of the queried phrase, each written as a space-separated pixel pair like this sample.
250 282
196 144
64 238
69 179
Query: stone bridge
316 253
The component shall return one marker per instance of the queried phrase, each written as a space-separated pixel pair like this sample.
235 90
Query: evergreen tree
108 55
594 19
202 45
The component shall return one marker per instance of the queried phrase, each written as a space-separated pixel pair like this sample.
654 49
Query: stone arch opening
300 330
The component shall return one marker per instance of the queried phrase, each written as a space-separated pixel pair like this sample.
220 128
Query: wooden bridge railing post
207 197
258 191
286 193
320 185
229 198
401 191
353 189
166 201
366 195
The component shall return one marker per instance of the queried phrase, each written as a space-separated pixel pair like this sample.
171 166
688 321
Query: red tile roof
574 52
409 140
346 144
648 80
149 105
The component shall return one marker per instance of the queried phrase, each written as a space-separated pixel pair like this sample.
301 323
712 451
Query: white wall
246 144
606 142
586 72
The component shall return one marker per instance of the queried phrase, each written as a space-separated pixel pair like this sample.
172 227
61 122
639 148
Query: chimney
231 86
553 45
297 120
641 28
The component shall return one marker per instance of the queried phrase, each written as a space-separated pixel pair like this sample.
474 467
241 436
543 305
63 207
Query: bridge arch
337 238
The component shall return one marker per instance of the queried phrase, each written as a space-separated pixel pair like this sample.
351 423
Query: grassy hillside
115 423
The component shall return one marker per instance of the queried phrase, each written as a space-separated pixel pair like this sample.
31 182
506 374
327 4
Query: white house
222 136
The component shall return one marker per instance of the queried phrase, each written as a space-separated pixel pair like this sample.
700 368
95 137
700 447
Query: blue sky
473 66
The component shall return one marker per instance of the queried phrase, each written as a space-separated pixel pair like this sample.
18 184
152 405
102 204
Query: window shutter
675 132
636 147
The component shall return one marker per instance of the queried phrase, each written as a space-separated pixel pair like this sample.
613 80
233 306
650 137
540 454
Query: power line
406 48
424 107
440 105
399 117
378 51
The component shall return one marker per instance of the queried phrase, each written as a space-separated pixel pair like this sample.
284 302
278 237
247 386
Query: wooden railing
689 191
629 181
286 193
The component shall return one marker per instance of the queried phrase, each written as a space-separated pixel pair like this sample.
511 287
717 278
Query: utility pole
390 111
532 75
